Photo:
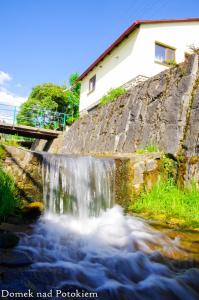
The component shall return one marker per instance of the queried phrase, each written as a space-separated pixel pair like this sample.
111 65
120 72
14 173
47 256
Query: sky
47 40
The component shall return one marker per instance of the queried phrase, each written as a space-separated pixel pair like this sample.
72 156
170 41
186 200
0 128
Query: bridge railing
35 117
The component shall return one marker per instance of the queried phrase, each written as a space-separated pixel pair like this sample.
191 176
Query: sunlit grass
8 194
112 95
165 198
148 149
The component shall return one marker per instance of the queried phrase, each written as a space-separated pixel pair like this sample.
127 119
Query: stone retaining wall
133 173
163 111
25 167
156 111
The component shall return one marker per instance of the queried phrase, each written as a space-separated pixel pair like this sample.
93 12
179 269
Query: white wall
136 56
177 35
117 62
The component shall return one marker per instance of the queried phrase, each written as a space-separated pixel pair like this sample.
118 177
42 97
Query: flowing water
85 244
79 186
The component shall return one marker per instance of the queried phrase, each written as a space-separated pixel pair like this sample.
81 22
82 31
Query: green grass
2 152
12 140
165 198
112 95
9 201
148 149
8 194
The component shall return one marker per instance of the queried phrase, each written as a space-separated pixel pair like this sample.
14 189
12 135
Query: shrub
112 95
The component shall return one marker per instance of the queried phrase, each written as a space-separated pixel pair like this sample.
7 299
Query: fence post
64 121
41 119
14 115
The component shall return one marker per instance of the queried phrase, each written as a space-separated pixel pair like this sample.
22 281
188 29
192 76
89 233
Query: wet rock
15 258
16 228
33 210
8 240
15 219
40 280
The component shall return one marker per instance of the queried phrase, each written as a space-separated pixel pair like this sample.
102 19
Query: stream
84 246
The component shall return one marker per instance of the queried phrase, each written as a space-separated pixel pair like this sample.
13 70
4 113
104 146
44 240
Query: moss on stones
124 190
194 160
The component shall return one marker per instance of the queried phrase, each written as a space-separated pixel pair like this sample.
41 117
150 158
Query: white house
143 50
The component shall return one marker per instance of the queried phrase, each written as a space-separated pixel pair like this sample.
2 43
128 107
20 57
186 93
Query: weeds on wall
194 49
112 95
148 149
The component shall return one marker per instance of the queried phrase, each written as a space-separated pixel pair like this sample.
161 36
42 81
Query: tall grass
8 194
166 198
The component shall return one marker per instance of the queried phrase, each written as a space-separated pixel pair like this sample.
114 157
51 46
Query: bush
8 194
112 95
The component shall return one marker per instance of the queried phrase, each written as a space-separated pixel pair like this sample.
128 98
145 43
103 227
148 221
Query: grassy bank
168 203
8 194
9 201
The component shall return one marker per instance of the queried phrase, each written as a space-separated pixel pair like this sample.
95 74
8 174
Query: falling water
85 243
81 186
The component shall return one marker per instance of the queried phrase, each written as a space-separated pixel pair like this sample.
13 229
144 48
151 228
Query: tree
48 103
73 95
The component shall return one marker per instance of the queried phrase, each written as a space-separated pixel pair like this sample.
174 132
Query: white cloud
4 77
9 98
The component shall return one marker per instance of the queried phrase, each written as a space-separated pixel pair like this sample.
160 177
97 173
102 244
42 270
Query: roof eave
130 29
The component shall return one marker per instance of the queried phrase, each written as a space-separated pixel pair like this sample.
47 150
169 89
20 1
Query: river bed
112 255
84 246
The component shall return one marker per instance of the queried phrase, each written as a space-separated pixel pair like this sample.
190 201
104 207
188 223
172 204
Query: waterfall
85 244
81 186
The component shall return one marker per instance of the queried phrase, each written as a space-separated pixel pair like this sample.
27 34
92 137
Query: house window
92 83
164 54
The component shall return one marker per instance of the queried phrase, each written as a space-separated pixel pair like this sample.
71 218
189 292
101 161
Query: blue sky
47 40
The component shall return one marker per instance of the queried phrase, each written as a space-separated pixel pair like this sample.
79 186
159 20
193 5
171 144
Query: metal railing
35 117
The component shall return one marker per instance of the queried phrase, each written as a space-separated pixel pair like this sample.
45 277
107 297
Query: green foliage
167 199
148 149
71 120
169 166
73 95
2 152
12 140
76 86
112 95
170 62
8 194
50 97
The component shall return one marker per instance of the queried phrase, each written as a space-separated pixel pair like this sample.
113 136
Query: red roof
135 25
